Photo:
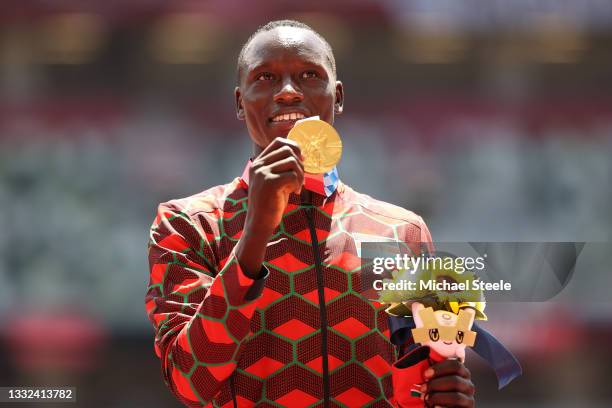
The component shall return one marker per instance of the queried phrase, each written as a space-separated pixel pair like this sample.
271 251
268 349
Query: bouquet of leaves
399 301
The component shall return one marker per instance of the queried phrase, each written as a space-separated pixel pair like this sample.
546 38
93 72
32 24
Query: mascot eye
434 335
459 337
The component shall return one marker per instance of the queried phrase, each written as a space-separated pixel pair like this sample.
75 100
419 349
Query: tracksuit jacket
304 334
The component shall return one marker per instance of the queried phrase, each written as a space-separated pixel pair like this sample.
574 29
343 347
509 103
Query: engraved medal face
320 144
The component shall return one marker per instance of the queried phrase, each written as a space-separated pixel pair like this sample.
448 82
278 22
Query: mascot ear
416 308
466 317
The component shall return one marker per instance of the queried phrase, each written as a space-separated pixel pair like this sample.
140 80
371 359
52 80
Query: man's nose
289 92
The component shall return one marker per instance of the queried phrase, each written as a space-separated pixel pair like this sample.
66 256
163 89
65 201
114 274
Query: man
255 288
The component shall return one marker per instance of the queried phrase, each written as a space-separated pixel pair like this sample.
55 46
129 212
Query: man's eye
434 335
309 75
266 76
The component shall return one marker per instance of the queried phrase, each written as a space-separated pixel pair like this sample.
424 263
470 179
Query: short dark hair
283 23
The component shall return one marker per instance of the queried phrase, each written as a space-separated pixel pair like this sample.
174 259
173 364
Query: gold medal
320 144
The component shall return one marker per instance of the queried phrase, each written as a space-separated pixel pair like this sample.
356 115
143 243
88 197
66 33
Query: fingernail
429 373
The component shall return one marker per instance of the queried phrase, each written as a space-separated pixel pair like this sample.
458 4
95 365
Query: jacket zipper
323 314
233 389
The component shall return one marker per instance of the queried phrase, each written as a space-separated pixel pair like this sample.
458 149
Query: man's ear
416 308
339 100
239 107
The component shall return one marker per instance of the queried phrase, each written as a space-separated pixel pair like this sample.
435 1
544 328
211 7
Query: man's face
286 76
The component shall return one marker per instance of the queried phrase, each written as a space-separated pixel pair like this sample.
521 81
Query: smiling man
254 286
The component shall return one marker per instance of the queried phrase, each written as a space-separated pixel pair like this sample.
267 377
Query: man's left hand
448 384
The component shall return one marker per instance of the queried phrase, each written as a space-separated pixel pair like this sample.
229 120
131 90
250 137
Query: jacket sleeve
426 240
201 312
407 377
407 372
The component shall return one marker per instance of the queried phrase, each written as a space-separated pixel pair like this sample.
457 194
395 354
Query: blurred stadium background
491 118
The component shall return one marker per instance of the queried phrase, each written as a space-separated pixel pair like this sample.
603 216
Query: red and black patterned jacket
305 335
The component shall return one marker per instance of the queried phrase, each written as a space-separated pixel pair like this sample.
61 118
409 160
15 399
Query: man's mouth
288 117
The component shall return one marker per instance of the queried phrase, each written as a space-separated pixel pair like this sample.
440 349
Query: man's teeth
288 116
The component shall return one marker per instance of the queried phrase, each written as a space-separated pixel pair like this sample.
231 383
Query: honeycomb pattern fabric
220 349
